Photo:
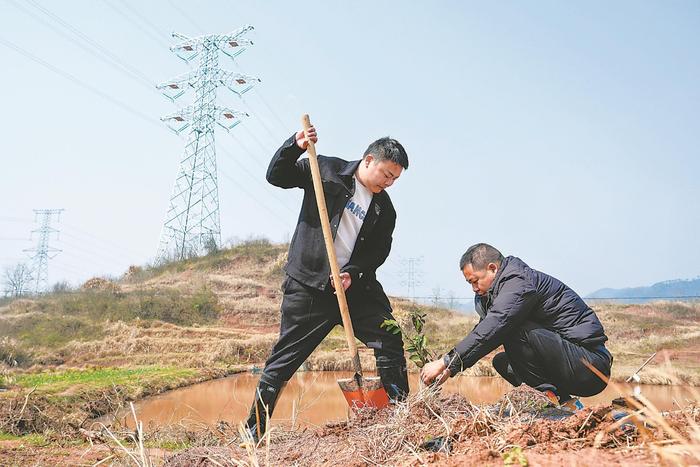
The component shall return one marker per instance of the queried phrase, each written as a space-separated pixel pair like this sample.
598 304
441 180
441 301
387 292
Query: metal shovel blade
364 392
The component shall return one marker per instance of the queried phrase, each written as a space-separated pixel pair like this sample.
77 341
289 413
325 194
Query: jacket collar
349 169
346 173
486 300
504 264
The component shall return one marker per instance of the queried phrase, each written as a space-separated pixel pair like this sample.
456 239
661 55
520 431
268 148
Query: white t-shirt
351 222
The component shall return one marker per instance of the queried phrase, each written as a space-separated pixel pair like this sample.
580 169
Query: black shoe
395 382
266 395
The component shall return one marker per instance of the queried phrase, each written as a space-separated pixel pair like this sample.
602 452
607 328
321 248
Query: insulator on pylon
242 85
229 118
172 90
186 52
234 48
176 123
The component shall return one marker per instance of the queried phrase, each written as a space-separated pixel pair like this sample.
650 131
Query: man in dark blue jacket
547 330
362 220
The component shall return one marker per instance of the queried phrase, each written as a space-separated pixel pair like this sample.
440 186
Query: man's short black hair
388 149
479 256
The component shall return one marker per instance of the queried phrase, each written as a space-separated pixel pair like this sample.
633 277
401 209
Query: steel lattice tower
413 275
43 252
192 223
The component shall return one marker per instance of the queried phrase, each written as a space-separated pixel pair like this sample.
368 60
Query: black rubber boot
266 395
395 382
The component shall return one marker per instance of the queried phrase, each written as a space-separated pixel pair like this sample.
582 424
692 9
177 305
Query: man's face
480 280
379 175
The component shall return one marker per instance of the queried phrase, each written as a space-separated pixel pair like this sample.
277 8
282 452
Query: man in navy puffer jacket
547 330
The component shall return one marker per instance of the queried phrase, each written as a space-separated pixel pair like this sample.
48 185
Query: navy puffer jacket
518 294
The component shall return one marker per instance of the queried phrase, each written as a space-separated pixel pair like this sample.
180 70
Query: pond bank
58 404
312 399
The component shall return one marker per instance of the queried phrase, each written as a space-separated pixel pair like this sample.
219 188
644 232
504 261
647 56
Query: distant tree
435 298
17 280
451 300
61 287
210 245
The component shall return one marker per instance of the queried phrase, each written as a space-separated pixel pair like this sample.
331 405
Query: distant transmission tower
192 225
412 274
43 252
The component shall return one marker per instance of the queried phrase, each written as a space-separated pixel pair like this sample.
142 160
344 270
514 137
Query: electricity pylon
43 252
192 225
412 274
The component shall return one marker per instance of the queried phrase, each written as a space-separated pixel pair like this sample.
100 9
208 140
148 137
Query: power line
260 120
15 219
82 256
94 252
98 239
186 16
264 101
78 82
70 269
256 92
105 55
161 42
248 152
257 140
275 215
274 114
270 191
146 21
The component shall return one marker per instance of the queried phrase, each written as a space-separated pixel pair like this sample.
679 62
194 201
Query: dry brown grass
162 343
246 280
449 430
670 328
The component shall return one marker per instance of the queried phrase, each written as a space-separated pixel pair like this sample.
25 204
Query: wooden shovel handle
330 249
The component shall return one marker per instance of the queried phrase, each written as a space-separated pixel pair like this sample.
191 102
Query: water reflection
313 398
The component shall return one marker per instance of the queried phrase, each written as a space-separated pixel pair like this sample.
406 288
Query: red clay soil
520 429
511 431
20 453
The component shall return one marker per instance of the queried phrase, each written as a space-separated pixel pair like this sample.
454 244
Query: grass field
83 353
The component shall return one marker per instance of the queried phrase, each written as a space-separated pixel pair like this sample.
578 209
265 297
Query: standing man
362 220
547 330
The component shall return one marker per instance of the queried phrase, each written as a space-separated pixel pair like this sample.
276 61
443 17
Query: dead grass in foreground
431 428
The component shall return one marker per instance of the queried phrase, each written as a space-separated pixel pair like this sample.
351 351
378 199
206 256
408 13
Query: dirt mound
100 283
449 430
132 273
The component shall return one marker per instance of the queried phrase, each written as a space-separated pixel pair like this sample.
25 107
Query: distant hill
671 289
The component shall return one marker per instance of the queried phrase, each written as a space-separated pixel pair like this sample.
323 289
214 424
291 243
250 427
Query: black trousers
544 360
308 315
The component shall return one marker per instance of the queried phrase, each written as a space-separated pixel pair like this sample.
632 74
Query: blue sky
565 134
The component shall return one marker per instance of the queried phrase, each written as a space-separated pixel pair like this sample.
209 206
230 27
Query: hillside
673 288
222 311
219 310
68 358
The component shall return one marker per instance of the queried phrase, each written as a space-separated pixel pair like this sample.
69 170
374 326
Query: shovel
358 391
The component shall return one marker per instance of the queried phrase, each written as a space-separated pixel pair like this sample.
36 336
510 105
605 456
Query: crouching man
547 330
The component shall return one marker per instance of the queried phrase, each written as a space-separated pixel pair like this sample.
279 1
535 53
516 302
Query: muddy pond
313 398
